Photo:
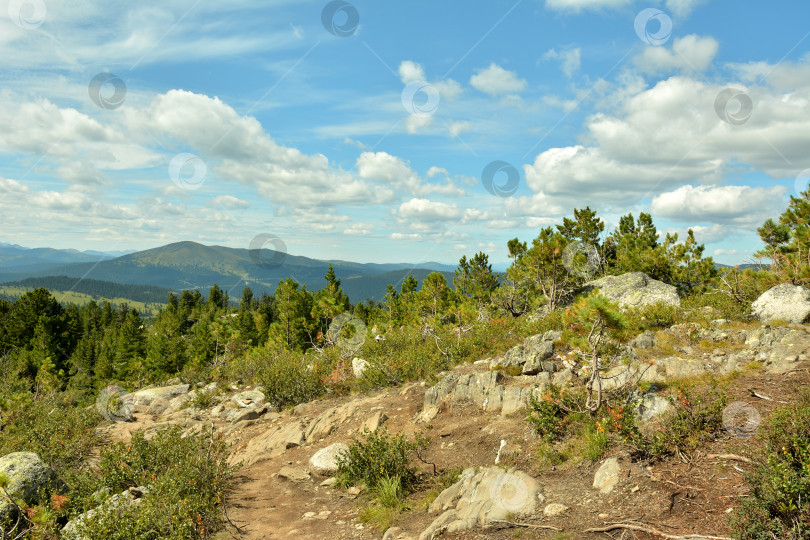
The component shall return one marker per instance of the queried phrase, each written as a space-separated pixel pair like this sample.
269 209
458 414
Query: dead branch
735 457
525 525
655 532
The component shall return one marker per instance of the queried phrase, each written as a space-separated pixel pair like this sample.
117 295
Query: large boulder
118 502
324 462
789 303
148 395
28 478
635 289
481 497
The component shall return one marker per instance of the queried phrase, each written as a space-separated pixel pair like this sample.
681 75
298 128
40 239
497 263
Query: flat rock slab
635 289
148 395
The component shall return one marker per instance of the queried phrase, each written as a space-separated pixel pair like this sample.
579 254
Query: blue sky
367 138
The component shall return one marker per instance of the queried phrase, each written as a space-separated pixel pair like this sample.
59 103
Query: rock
530 355
789 303
651 406
374 421
273 442
563 378
293 474
358 367
131 496
324 462
329 482
480 497
554 509
158 407
634 289
249 398
253 413
28 478
148 395
354 491
644 340
607 476
396 533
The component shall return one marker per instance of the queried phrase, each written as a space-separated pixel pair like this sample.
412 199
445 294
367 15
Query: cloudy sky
387 131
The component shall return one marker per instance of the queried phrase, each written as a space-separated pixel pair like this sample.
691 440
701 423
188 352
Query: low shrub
188 481
778 503
380 457
288 379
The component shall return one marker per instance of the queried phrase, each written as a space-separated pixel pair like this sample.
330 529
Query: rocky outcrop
148 395
634 289
532 356
480 497
29 478
789 303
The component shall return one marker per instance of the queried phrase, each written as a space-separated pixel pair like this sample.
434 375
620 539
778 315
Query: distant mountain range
189 265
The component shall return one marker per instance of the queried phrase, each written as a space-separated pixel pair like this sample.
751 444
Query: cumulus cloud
689 53
570 59
424 210
495 80
410 71
228 201
682 8
718 203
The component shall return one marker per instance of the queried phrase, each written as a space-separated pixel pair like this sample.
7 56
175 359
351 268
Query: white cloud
417 123
496 80
228 201
682 8
405 236
410 71
689 53
382 167
719 203
449 90
457 128
424 210
359 229
570 59
579 5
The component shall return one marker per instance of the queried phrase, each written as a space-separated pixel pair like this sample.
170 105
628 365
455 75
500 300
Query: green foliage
289 379
379 458
474 278
787 243
188 480
778 503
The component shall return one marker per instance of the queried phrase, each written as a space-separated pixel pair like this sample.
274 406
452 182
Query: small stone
554 509
603 516
354 491
329 482
607 476
309 515
635 488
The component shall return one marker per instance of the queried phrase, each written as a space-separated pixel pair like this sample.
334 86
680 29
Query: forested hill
148 294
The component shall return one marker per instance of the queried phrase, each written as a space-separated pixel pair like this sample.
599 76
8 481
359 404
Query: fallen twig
655 532
735 457
526 525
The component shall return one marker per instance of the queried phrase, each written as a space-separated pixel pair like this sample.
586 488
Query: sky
387 131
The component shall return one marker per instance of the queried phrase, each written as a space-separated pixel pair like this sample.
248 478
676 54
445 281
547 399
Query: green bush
188 480
288 379
379 457
778 503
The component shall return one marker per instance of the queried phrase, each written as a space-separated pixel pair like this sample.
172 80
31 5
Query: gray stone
249 398
374 421
480 497
554 509
293 474
607 476
644 340
651 406
131 496
28 478
635 289
324 461
148 395
789 303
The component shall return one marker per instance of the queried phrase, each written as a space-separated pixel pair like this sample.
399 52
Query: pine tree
474 279
787 243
